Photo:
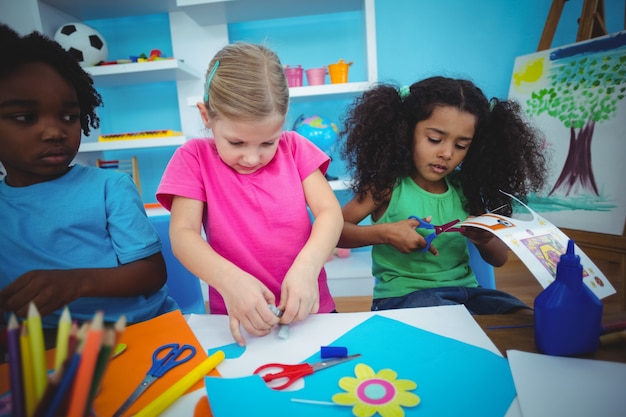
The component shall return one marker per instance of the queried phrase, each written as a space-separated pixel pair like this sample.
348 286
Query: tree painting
584 90
578 87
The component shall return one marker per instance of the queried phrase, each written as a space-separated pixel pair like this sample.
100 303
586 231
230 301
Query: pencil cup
294 76
316 76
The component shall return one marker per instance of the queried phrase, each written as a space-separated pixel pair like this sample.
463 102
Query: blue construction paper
453 378
231 351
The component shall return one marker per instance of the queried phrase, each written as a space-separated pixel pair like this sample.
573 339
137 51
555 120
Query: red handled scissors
448 227
294 372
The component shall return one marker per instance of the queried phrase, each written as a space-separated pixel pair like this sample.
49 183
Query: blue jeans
477 300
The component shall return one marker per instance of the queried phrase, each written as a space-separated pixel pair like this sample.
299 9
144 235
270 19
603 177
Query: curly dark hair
16 51
505 154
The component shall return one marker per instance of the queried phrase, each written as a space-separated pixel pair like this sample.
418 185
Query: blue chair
183 286
484 271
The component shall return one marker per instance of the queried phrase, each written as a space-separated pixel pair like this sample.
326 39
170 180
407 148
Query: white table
306 337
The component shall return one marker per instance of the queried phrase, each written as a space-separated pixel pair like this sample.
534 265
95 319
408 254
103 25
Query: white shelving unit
351 276
198 29
191 23
142 72
132 144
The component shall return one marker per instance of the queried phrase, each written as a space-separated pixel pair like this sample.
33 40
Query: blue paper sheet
453 378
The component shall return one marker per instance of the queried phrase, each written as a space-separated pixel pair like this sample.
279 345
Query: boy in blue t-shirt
70 235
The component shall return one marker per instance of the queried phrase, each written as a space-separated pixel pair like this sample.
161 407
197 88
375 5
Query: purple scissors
294 372
448 227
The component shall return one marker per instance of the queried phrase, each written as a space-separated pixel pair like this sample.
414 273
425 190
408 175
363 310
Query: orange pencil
104 356
82 383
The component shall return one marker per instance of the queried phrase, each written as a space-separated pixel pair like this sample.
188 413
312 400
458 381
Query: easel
611 248
590 25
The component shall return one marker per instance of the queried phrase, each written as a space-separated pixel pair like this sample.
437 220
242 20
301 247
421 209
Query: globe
319 130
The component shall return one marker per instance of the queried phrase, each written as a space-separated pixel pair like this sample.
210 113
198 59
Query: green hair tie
404 92
209 78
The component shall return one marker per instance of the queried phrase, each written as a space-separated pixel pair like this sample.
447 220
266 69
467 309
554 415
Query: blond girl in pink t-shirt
248 186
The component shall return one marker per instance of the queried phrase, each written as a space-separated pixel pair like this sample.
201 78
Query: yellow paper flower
370 393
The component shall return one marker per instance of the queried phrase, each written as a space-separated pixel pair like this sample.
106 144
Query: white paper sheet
554 386
539 244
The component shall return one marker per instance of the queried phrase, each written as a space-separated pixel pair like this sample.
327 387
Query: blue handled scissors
294 372
175 355
448 227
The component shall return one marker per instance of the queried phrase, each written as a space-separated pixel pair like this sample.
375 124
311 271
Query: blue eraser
333 352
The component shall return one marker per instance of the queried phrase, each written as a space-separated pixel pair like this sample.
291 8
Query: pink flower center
375 391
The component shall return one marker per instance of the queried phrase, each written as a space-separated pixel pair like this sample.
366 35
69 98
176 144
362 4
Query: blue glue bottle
568 316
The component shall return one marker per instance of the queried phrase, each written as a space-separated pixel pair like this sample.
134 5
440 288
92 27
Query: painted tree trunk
577 173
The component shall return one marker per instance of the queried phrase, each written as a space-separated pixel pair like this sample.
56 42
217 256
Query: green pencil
108 340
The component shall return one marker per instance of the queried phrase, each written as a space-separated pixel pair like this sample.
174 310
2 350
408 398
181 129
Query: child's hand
48 289
299 294
477 236
246 300
405 239
493 251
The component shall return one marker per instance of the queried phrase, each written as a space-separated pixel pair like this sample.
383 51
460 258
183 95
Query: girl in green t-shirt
442 151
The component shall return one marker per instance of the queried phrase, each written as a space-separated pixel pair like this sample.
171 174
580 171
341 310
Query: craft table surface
523 338
306 338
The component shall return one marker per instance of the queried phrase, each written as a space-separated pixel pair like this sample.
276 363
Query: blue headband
208 80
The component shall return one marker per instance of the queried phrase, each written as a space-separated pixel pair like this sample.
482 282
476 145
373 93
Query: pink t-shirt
259 221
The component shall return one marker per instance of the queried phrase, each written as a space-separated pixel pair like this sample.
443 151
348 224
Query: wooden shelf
142 72
132 144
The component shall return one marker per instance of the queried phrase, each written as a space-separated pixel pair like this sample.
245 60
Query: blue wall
472 39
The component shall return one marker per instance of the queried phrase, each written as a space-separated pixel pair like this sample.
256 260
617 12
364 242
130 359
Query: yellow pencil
30 398
63 338
82 382
159 404
38 351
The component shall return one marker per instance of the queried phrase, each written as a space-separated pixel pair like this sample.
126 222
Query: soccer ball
83 42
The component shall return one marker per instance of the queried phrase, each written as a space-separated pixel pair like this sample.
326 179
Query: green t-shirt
398 274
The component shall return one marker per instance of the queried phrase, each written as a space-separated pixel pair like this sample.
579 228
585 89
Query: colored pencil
15 367
30 398
120 327
84 374
51 389
38 351
159 404
72 343
57 404
108 340
63 335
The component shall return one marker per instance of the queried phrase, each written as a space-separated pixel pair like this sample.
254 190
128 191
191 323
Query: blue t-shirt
88 218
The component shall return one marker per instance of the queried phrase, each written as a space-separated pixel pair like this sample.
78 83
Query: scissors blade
317 366
448 227
147 381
